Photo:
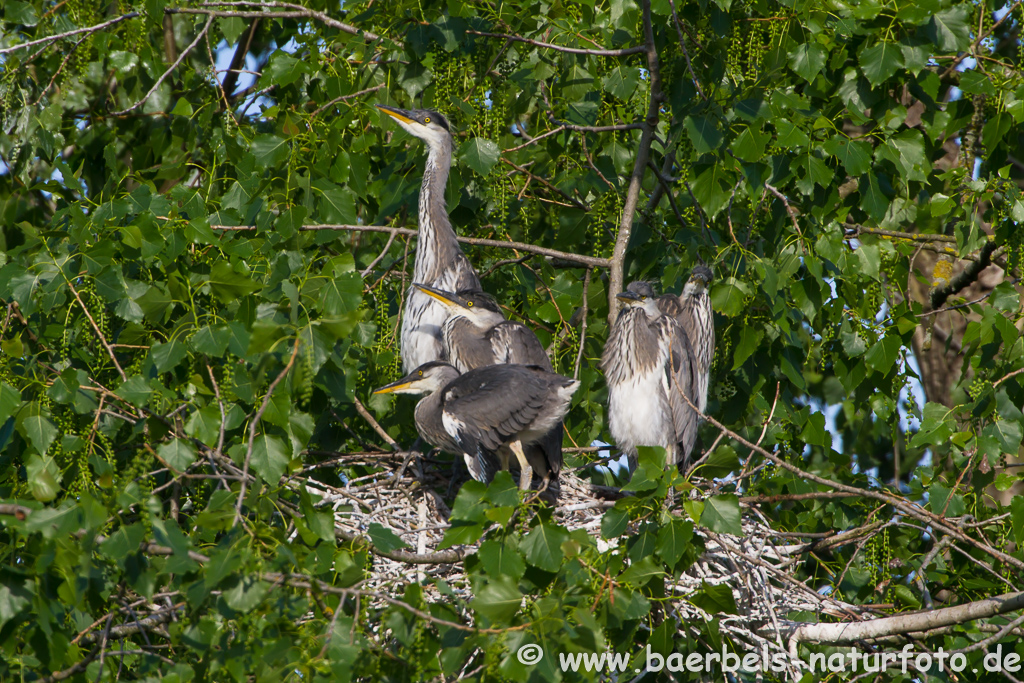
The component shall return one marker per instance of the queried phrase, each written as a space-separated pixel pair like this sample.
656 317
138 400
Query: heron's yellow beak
438 294
395 113
393 387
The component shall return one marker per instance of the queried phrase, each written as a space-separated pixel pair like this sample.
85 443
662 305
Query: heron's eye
469 304
421 373
643 298
426 119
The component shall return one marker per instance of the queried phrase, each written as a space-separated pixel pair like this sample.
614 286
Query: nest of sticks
759 567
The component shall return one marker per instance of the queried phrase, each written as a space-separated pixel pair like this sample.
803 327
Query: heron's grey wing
680 379
513 342
672 306
487 406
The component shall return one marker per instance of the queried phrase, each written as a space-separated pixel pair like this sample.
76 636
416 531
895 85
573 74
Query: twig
686 53
381 255
365 414
252 430
184 53
592 261
583 326
650 126
53 78
96 328
977 41
298 12
342 98
856 230
68 34
635 50
789 210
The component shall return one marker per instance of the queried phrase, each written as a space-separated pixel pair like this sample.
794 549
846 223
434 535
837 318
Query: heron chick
439 259
488 414
659 350
476 334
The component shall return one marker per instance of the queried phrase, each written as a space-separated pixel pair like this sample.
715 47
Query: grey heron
659 349
487 414
476 334
439 259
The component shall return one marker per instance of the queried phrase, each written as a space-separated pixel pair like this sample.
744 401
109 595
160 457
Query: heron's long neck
436 245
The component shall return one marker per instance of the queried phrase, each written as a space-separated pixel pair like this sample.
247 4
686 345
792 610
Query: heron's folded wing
490 405
681 375
516 343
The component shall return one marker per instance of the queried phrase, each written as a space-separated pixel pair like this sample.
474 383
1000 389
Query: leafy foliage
186 348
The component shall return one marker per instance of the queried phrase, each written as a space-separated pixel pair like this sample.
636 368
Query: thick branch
67 34
643 154
906 623
965 278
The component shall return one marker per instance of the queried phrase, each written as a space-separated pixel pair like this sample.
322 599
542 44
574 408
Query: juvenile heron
439 259
659 350
476 334
488 414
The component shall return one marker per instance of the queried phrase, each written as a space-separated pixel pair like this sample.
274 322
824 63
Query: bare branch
181 57
252 430
635 50
68 34
965 278
593 261
650 125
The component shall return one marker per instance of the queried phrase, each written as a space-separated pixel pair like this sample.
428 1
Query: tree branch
965 278
252 430
67 34
635 50
592 261
905 623
650 125
181 57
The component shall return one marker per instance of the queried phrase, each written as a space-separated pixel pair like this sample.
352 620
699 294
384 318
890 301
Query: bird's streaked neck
434 225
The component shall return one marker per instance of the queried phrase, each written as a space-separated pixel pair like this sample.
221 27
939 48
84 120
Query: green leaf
750 341
269 458
640 573
246 594
906 150
1017 518
227 285
480 155
854 155
10 399
166 355
936 426
542 547
703 133
881 61
17 12
213 341
178 454
728 296
136 391
36 427
499 600
44 477
722 514
614 522
807 60
269 150
283 69
622 81
337 204
948 29
64 387
749 145
715 599
501 559
385 539
882 356
673 540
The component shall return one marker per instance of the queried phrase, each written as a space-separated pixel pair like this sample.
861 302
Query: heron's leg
525 471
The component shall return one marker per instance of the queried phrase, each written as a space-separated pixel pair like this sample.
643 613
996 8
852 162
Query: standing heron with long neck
439 259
